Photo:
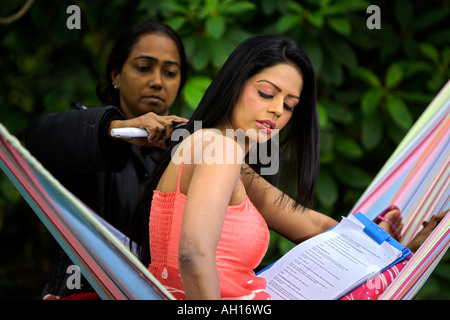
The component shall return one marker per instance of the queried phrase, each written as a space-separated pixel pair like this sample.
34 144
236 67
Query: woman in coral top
205 215
208 228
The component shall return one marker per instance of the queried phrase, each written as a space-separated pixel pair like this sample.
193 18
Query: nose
277 107
155 81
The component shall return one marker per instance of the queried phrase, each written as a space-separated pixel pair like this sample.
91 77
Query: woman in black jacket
145 73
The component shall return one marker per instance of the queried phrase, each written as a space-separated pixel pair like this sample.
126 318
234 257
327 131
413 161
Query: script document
329 265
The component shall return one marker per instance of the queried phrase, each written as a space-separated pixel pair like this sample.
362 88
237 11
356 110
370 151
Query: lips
153 99
266 125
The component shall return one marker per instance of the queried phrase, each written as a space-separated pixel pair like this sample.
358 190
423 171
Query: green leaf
395 133
285 245
328 158
268 7
314 50
338 112
446 55
410 46
430 52
294 6
394 75
194 89
399 112
215 26
170 6
332 71
323 117
327 190
348 148
220 51
236 7
443 271
372 130
412 67
201 12
316 19
419 97
366 75
351 175
344 7
326 142
436 82
326 147
287 22
175 23
403 12
430 18
340 25
198 51
341 51
7 190
370 100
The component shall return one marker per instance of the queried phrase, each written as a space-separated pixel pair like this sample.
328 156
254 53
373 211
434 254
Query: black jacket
107 175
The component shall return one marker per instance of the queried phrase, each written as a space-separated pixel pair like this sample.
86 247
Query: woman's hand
159 128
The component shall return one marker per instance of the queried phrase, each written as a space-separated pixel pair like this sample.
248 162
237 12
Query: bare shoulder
208 152
208 146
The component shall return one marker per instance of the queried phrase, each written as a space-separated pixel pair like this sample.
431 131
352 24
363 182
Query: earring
114 85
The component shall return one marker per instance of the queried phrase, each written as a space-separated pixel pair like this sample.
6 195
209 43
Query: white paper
329 265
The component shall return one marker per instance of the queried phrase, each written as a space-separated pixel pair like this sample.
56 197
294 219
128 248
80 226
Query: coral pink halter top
242 245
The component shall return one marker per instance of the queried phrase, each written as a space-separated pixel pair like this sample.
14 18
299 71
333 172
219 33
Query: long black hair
122 49
301 136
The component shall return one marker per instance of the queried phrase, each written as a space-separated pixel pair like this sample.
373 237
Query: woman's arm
76 141
79 141
208 196
295 223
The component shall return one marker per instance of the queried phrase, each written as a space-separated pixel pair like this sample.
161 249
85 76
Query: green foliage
372 83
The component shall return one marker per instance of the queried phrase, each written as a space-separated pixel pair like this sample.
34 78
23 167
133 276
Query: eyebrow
278 88
154 59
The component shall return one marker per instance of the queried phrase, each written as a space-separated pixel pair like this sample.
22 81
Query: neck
239 136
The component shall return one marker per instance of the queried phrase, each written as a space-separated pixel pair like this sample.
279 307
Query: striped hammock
98 249
415 179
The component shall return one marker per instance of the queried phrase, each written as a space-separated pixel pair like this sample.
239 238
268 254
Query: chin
156 108
259 136
263 137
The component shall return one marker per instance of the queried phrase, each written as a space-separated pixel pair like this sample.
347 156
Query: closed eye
288 108
143 68
268 96
171 74
264 95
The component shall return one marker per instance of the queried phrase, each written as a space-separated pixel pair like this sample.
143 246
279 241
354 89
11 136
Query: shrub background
372 86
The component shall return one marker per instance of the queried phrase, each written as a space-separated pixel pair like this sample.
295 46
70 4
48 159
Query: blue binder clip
376 233
372 229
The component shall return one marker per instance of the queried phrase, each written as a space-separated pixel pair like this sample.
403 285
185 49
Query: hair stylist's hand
159 128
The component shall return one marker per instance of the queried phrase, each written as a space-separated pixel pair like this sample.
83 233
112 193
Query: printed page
329 265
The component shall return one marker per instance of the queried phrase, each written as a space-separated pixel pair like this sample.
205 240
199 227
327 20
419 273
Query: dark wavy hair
301 136
122 49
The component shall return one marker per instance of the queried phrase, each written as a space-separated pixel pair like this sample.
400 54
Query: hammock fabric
415 179
95 246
